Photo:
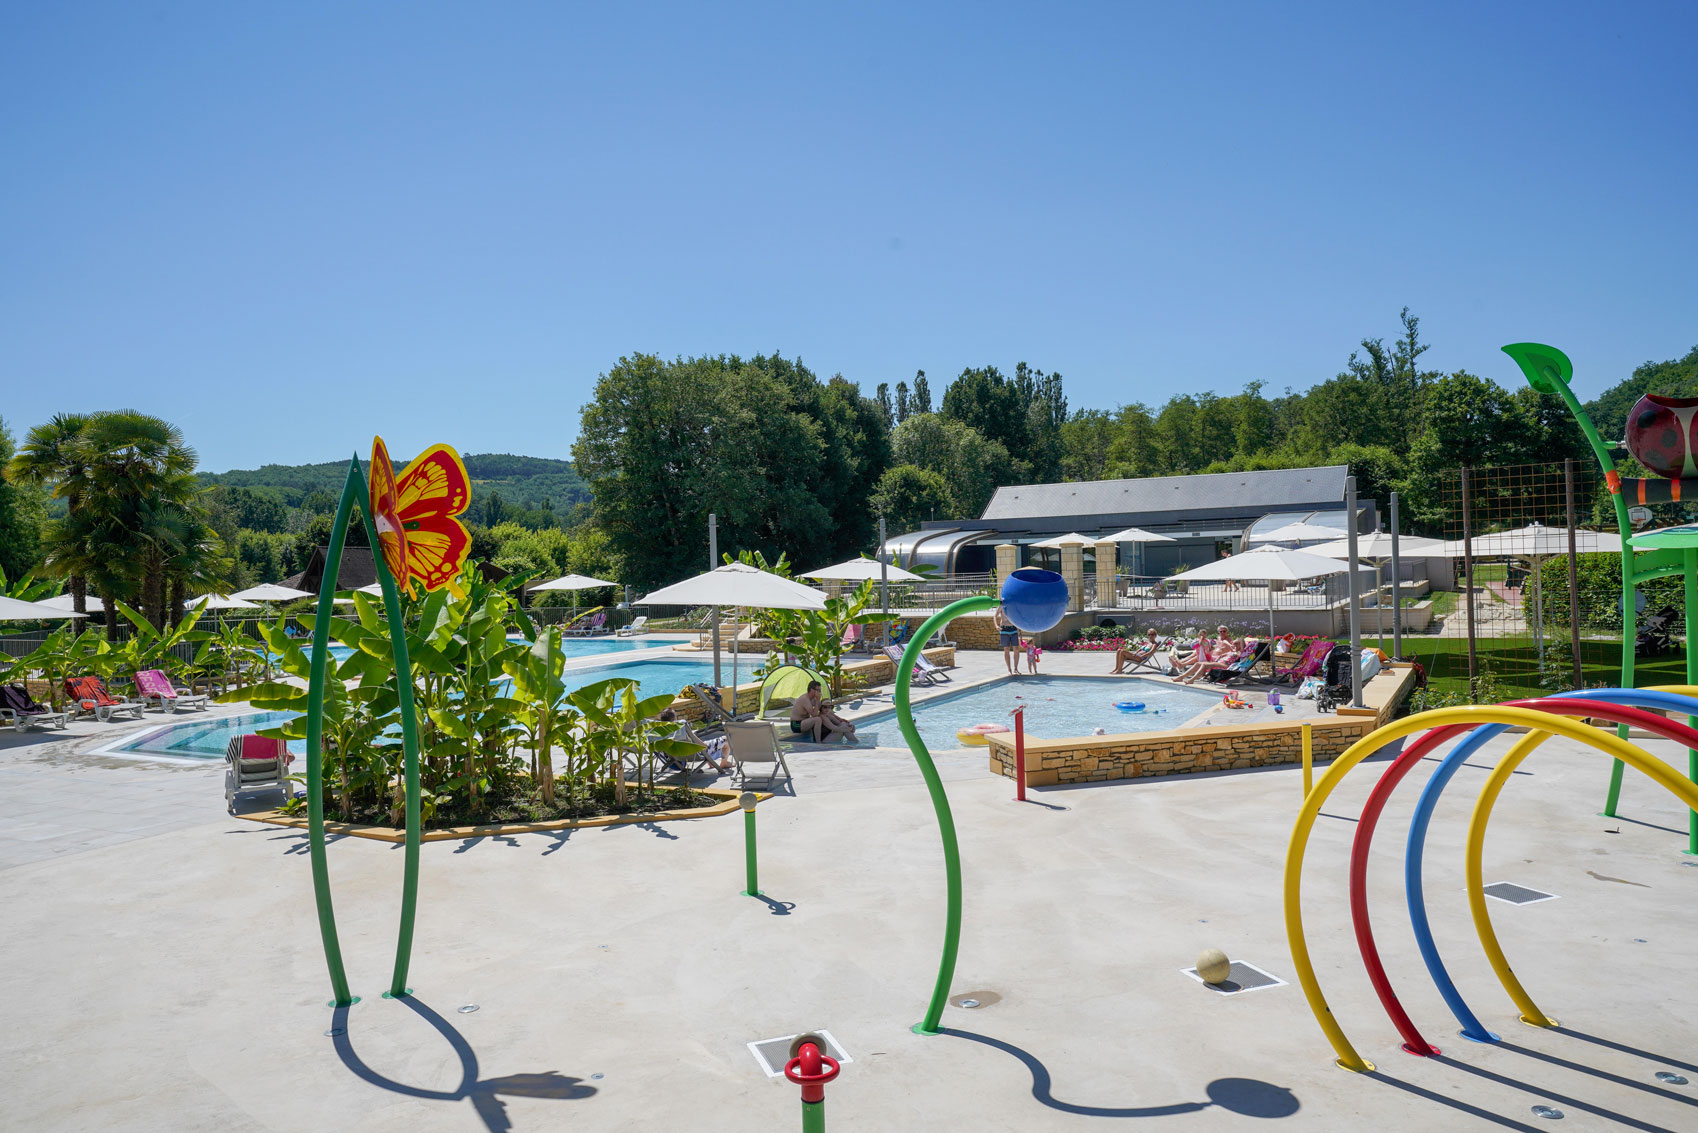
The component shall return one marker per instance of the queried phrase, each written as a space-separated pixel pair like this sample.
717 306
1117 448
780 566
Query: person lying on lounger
810 714
1137 652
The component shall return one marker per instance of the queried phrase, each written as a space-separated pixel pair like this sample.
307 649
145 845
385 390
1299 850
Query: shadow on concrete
1452 1103
484 1094
776 908
1543 1095
1581 1068
1638 822
1247 1097
1623 1048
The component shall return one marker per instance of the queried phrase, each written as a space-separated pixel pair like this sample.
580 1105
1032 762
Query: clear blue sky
234 215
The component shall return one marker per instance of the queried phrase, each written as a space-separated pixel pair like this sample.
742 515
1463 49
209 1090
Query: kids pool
1056 706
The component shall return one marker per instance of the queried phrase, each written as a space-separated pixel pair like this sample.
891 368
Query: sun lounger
755 744
19 708
89 697
854 638
1308 665
592 624
921 674
154 687
252 762
639 624
709 697
1163 649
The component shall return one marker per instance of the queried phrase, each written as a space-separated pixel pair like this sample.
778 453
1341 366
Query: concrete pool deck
174 979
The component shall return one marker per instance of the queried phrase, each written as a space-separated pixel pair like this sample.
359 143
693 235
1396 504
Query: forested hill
1677 377
521 481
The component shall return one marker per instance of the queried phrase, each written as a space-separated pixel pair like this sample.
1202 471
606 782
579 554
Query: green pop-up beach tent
787 682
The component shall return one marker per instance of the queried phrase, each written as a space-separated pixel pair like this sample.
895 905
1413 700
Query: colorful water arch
1442 724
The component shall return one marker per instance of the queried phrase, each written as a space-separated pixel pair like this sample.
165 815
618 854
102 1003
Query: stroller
1656 633
1335 679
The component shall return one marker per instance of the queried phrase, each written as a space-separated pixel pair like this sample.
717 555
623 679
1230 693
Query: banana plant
28 588
152 648
539 689
618 724
55 659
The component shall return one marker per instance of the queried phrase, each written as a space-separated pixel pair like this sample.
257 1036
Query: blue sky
442 221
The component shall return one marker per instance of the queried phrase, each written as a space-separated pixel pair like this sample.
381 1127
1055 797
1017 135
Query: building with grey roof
1204 515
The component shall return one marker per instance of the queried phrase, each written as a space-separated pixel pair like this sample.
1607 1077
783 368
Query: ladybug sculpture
1660 434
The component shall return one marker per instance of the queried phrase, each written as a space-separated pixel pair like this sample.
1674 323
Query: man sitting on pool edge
812 715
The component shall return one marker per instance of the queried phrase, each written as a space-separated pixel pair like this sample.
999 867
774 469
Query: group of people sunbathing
1206 655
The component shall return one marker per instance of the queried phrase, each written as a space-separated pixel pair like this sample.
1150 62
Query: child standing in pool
1008 636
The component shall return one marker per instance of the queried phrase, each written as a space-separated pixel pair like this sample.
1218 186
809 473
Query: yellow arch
1495 783
1472 716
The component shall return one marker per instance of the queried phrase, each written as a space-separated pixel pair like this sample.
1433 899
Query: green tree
53 456
21 516
784 460
908 496
922 402
1677 377
972 466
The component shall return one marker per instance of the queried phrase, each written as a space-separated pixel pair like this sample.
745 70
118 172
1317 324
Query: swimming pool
207 738
204 739
1055 707
571 648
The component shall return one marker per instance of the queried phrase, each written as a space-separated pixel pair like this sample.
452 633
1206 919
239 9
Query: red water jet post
1020 754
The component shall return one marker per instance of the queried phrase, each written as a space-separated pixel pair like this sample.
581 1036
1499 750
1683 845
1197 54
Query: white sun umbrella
573 582
859 570
1535 543
220 602
736 585
1265 564
17 610
67 602
1375 547
271 592
1137 535
1071 539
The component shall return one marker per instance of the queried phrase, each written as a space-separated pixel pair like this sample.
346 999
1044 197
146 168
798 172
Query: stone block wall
1096 759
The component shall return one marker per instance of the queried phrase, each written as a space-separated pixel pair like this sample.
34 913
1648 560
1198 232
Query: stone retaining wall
1178 751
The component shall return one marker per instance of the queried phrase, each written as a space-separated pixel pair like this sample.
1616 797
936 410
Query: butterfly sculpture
415 515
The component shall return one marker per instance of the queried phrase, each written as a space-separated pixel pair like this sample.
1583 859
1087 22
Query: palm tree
53 455
129 486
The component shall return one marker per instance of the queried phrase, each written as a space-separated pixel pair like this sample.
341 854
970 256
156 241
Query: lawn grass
1514 665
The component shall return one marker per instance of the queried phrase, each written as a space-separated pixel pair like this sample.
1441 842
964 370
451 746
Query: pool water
571 648
207 738
654 677
1056 707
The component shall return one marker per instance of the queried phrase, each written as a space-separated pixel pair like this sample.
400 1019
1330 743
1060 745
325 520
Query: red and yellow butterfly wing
391 534
433 490
434 484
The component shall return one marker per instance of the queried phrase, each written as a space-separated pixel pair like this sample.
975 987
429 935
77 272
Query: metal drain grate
1516 894
772 1054
1241 977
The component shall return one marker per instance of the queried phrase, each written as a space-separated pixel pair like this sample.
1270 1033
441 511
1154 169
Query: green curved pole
351 488
940 800
1548 370
410 755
